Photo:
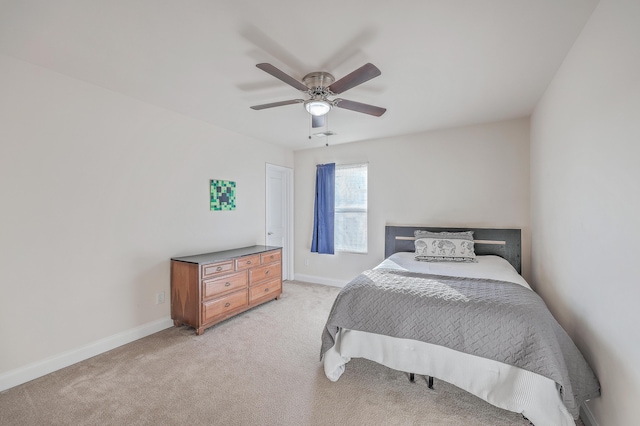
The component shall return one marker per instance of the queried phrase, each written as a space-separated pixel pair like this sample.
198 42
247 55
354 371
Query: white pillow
444 246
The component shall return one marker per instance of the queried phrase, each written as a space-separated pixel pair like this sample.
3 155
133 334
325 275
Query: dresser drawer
270 256
261 273
219 285
264 290
217 307
247 262
213 269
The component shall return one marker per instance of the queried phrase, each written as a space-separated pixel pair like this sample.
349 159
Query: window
350 229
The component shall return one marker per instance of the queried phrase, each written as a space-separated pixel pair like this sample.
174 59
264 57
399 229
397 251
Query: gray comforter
501 321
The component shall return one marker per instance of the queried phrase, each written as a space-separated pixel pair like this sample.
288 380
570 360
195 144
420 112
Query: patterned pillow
444 246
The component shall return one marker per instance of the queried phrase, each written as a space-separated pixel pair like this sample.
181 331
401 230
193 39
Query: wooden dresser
211 287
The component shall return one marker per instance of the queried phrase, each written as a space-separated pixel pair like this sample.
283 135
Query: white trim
320 280
41 368
587 416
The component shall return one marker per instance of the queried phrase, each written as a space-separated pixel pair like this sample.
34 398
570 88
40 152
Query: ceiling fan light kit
317 107
319 86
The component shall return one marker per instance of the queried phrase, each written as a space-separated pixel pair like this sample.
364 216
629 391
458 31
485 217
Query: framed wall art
223 194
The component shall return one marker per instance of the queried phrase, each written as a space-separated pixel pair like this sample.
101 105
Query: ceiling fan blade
268 68
359 76
277 104
359 107
317 121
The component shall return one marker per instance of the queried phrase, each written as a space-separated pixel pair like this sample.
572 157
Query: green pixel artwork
223 195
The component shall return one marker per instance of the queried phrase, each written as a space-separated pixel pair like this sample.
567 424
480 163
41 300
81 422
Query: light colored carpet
259 368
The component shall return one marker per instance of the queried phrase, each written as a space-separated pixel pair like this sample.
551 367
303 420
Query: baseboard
41 368
587 416
320 280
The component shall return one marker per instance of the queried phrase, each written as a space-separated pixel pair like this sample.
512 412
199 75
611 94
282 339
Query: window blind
351 208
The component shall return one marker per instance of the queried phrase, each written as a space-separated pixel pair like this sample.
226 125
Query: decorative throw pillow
444 246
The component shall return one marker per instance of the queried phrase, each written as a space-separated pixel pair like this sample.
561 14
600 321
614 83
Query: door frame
288 210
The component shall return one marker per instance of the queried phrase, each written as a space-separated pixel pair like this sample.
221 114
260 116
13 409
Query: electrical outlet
306 262
160 298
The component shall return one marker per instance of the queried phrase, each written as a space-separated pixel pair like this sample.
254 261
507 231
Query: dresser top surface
219 256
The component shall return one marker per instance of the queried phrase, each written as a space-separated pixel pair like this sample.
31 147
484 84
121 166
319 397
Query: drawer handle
267 272
266 290
248 262
271 256
226 305
219 268
227 284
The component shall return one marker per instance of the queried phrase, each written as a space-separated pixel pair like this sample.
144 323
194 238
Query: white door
279 212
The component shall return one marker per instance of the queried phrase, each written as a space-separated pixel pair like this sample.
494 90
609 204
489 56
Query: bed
447 320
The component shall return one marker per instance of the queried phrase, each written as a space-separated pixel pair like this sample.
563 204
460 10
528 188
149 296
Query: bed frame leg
412 379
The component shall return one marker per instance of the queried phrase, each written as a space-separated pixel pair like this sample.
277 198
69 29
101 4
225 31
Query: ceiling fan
319 86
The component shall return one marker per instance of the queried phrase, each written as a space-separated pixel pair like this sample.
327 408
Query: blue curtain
324 209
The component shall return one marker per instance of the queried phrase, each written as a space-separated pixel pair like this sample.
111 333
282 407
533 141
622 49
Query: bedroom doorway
279 214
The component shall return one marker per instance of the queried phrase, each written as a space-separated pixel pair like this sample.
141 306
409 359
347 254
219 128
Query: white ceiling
444 63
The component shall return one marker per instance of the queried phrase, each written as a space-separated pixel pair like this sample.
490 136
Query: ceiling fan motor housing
318 79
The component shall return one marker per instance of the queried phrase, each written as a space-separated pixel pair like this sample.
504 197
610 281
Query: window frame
358 210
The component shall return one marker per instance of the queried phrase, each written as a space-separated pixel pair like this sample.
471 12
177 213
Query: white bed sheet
502 385
488 267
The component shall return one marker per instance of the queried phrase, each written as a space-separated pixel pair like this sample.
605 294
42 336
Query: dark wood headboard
505 243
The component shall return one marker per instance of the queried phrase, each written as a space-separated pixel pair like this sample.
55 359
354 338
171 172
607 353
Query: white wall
476 176
98 192
585 149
